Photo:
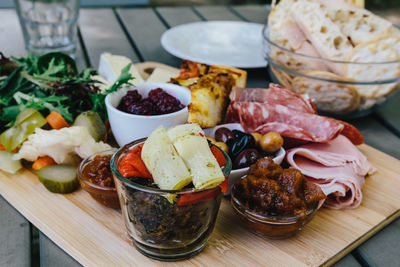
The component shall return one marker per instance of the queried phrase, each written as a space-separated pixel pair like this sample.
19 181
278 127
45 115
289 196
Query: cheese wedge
110 68
161 75
190 143
161 159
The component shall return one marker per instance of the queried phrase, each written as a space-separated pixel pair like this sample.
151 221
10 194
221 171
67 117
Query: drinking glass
49 25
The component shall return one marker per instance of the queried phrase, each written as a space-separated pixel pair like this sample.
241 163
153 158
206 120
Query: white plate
230 43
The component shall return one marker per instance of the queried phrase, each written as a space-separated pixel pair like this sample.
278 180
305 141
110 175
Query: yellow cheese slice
190 143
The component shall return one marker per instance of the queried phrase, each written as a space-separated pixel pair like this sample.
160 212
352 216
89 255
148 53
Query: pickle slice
92 121
7 163
60 179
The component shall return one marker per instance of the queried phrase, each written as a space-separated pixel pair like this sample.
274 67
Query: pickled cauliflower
62 145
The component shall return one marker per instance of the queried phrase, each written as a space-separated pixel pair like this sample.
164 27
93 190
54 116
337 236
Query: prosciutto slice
338 167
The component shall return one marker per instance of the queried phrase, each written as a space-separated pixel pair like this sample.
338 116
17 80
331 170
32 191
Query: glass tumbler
49 25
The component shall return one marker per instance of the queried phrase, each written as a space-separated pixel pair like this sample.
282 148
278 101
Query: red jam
158 102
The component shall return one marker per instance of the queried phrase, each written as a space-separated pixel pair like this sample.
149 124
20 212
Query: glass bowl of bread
346 58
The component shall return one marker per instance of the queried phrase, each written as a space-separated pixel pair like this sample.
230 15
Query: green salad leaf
51 82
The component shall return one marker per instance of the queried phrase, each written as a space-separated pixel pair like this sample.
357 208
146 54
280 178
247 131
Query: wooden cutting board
96 236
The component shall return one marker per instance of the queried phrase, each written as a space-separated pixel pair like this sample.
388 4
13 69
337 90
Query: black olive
238 146
246 158
238 134
252 141
224 135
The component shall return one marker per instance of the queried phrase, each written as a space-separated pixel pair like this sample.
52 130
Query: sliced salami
278 95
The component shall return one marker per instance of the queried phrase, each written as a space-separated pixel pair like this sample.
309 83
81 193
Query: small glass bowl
299 73
107 196
274 227
161 226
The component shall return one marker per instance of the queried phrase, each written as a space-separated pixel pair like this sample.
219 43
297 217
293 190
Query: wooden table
135 33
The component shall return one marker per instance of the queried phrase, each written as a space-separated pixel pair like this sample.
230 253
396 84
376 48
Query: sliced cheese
190 143
110 68
161 75
161 159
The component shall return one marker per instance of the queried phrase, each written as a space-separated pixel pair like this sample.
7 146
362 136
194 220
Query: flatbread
379 50
327 96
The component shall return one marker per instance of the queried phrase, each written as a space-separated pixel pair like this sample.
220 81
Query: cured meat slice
292 115
338 167
352 133
263 118
282 96
248 94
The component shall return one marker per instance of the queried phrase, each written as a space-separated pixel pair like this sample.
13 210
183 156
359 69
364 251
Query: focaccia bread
210 87
328 96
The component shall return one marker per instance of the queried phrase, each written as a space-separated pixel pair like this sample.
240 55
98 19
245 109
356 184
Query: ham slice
338 167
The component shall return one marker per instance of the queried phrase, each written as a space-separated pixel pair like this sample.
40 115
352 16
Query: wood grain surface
95 235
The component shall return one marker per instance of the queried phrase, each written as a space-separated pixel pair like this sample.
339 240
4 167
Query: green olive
271 142
223 146
257 138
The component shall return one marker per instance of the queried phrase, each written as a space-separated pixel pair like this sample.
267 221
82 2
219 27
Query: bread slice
358 24
327 96
378 50
210 98
210 87
323 33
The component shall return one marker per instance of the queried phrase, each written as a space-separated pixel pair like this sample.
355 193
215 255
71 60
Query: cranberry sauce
157 103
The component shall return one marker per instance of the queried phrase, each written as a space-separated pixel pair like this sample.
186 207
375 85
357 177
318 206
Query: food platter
95 235
230 43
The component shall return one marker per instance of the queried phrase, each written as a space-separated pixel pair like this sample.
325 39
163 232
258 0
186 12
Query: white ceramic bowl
129 127
236 174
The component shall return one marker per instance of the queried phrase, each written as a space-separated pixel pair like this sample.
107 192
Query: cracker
327 96
378 50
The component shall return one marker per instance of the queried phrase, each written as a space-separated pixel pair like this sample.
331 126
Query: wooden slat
383 248
15 249
253 13
378 136
145 28
217 13
53 255
101 32
347 261
178 15
390 113
11 40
